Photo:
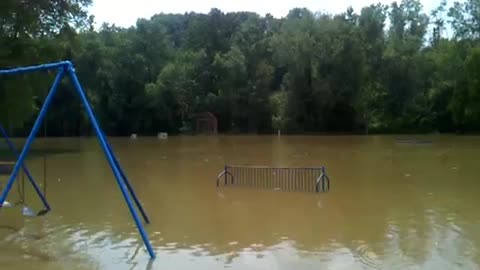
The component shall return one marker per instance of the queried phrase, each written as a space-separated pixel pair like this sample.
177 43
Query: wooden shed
207 123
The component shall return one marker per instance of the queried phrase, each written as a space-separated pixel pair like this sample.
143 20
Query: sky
126 12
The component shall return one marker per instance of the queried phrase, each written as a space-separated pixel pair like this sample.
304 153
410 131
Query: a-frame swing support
66 68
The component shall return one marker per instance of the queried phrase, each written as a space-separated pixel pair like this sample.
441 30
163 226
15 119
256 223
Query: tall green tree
34 31
306 72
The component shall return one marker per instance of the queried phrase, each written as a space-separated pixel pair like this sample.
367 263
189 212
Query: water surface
392 205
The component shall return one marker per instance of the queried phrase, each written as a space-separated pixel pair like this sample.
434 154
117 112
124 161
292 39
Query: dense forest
395 68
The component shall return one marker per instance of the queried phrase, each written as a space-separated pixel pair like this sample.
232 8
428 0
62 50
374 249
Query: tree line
384 68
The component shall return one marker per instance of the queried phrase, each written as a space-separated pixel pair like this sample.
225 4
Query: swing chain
45 157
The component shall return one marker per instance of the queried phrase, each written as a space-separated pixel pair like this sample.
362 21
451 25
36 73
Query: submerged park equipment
66 68
310 179
6 168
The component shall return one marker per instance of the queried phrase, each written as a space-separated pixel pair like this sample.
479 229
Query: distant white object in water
162 135
133 136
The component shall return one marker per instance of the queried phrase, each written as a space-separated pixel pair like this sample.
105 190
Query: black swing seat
43 212
6 167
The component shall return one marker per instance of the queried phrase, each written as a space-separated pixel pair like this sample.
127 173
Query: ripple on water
12 255
197 253
100 240
171 246
456 229
126 244
257 245
366 256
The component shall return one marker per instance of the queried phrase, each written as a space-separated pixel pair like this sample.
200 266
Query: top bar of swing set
66 67
29 69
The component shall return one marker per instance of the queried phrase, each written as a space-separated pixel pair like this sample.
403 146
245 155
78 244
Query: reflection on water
391 206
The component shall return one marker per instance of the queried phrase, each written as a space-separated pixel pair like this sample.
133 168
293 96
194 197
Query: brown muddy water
392 205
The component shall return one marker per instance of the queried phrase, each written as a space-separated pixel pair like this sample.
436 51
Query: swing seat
43 212
6 167
7 204
27 211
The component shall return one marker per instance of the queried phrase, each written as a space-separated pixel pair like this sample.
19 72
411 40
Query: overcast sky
126 12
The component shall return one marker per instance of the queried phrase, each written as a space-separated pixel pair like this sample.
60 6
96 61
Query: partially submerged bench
312 179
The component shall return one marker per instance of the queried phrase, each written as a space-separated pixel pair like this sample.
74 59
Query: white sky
126 12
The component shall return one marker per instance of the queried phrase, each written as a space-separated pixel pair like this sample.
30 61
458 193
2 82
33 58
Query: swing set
65 68
6 168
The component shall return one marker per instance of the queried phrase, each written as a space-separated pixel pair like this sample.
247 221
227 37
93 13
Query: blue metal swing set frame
66 68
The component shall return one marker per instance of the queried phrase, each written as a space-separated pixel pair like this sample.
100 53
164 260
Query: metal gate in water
312 179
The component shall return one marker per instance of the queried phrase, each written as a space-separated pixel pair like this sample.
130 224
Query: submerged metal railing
312 179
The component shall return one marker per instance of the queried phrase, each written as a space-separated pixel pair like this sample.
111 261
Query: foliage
306 72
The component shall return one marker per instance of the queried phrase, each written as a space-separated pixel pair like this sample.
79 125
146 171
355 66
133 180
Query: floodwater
392 205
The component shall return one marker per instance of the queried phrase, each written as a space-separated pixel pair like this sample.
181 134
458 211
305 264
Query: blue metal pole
115 170
32 135
25 169
127 183
20 70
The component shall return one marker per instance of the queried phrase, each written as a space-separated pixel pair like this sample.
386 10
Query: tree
372 94
31 32
465 19
306 72
176 92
